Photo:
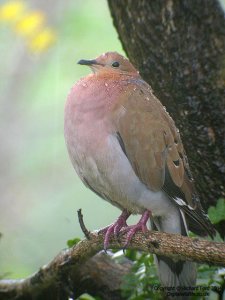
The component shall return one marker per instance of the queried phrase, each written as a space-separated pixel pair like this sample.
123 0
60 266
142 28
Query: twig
82 225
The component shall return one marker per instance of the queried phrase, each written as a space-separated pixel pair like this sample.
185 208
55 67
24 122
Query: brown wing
155 151
151 139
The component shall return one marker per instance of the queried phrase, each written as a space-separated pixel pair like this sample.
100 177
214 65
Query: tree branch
64 274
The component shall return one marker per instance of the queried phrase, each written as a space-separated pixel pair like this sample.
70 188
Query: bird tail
177 277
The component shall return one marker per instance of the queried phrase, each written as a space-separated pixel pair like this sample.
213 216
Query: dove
126 148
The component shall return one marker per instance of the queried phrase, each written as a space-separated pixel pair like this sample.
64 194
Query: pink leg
140 226
115 228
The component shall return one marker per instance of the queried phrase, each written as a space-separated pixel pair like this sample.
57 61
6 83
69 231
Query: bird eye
115 64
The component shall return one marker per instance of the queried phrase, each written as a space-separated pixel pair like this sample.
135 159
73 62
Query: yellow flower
30 23
11 10
42 40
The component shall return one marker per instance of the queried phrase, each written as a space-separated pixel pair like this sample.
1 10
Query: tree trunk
179 48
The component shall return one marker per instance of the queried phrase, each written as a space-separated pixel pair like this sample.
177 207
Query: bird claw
117 230
133 229
114 229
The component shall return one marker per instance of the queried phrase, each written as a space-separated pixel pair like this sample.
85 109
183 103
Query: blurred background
40 43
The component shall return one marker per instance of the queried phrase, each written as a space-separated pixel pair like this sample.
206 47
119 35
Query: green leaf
88 297
131 254
217 213
139 283
71 243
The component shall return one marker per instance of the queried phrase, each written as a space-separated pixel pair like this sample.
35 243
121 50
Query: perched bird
126 148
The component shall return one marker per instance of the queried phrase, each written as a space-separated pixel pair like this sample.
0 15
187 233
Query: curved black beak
87 62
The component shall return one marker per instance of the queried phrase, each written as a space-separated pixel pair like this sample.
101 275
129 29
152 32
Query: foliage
217 213
72 242
142 282
88 297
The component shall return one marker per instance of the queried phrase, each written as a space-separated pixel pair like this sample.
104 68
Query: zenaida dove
126 148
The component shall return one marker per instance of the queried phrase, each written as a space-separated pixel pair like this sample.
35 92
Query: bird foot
114 229
140 226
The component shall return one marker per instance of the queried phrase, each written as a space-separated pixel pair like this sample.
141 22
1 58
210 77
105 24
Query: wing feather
154 148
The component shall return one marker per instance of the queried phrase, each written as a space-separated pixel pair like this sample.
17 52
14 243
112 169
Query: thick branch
63 273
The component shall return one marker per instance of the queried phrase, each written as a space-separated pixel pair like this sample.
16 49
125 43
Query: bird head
111 62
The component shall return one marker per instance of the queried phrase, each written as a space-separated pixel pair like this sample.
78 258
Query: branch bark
67 275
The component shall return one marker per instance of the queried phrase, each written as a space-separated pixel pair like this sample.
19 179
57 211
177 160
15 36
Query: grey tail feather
175 273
